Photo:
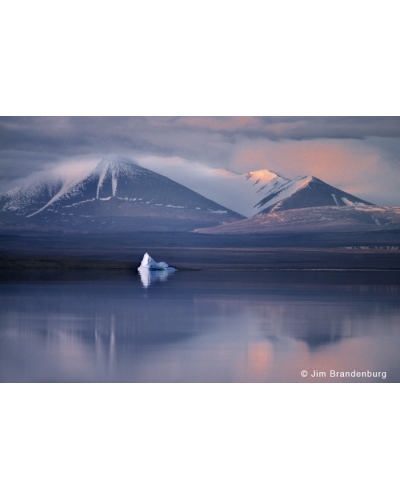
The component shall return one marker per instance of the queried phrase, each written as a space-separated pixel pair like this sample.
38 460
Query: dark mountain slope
312 193
117 194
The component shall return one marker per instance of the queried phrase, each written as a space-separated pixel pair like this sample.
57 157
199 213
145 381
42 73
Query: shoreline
287 261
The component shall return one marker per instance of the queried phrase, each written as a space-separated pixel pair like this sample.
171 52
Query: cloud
297 128
360 167
359 154
169 135
34 167
221 124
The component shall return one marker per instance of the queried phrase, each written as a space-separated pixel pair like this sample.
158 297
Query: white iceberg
149 263
151 271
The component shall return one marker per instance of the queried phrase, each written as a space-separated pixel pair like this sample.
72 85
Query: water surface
199 326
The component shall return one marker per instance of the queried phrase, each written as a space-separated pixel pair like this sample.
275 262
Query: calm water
199 326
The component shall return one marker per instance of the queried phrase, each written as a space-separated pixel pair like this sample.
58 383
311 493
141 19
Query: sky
360 155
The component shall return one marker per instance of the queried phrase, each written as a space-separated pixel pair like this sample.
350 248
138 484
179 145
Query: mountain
312 219
260 191
305 192
121 195
115 194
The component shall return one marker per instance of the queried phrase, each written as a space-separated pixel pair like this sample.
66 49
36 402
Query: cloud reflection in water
201 327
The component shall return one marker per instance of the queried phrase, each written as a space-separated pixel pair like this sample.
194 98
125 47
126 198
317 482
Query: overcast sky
359 155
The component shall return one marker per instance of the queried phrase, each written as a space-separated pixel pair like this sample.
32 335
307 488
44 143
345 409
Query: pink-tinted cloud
350 165
247 125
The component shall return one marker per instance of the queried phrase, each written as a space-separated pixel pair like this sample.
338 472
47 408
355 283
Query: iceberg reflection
150 276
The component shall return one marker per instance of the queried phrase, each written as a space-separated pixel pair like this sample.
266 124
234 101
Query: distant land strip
212 258
36 261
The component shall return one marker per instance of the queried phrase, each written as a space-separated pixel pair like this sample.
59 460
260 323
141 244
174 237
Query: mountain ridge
113 190
253 192
119 194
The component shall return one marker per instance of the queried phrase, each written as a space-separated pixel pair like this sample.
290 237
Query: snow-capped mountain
120 194
114 190
304 192
260 191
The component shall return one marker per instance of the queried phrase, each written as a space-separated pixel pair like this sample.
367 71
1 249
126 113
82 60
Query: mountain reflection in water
208 326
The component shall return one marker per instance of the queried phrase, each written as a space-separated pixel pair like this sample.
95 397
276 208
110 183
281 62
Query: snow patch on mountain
100 183
281 191
376 220
65 188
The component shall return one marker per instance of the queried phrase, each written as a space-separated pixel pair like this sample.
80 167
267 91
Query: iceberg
149 263
151 271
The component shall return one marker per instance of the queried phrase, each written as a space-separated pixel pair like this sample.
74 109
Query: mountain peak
108 172
307 191
116 165
263 175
